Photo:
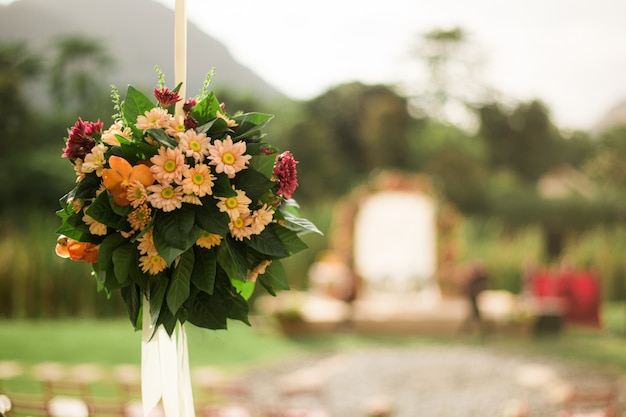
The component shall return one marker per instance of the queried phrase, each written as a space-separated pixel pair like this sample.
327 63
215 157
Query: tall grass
35 283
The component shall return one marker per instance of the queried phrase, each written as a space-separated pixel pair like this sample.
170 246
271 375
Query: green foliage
522 139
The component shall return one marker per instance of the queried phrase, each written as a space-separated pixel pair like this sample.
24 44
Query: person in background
476 282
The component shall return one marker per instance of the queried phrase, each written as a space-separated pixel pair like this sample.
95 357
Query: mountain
615 117
139 35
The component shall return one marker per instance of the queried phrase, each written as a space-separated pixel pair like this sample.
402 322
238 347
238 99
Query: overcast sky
569 53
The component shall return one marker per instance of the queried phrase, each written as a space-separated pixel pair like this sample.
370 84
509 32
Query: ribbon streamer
165 374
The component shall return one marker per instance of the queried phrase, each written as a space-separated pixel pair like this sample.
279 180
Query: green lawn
114 342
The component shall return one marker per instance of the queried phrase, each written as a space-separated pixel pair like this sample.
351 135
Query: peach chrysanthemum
240 227
198 180
153 264
108 136
228 157
155 118
78 169
261 218
101 189
165 197
229 122
168 165
146 244
208 240
259 269
176 126
192 199
194 145
235 206
140 217
77 204
95 227
126 235
95 160
136 193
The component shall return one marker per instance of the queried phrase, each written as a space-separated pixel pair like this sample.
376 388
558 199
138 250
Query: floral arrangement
186 208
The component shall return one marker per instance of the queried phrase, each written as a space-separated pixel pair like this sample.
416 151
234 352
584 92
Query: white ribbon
165 372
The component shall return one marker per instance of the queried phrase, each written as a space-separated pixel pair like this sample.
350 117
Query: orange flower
121 174
77 251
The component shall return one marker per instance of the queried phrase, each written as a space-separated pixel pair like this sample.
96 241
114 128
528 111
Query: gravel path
429 381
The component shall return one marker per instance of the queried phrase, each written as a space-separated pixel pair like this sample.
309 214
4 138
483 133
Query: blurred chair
591 402
5 405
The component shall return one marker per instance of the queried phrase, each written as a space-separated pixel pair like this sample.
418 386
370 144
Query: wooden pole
180 52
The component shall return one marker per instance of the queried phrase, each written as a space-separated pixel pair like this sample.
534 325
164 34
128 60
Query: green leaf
86 189
167 320
135 104
288 211
102 211
217 128
263 164
207 311
289 238
268 243
158 289
250 125
237 308
203 274
107 247
253 182
205 110
74 227
245 289
231 257
123 258
222 187
162 137
210 218
274 277
178 290
134 152
132 297
174 232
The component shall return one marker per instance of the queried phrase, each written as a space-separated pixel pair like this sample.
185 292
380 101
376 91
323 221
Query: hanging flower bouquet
186 209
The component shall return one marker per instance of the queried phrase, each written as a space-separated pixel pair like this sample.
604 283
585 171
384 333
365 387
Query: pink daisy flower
168 166
198 180
176 126
208 240
165 197
261 218
235 206
240 227
228 157
152 263
155 118
146 244
194 145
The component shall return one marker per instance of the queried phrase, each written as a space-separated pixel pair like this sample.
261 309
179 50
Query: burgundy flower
266 150
165 97
94 129
285 172
190 122
189 104
79 143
